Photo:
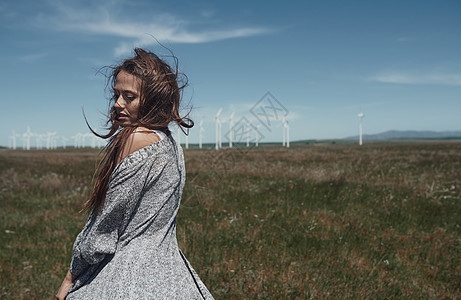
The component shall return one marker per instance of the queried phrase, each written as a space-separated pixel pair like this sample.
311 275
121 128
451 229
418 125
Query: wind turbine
187 140
42 140
200 134
286 127
26 138
54 144
38 141
83 139
63 141
248 131
93 141
218 129
231 129
283 132
50 140
360 115
92 137
256 135
101 143
13 139
77 140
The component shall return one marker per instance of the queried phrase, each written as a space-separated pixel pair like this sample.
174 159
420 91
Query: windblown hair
159 106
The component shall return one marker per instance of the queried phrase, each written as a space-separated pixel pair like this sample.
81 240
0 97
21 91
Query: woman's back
132 244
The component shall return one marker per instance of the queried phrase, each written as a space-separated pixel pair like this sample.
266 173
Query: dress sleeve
100 236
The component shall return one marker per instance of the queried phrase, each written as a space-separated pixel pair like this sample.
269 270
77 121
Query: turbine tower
83 137
256 135
93 141
26 138
360 115
54 144
248 131
231 129
63 141
13 140
187 140
285 133
77 140
50 140
38 141
100 143
218 129
200 134
287 129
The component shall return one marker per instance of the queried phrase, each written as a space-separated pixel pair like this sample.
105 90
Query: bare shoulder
140 138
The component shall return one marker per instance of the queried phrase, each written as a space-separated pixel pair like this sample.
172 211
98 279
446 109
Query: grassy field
380 221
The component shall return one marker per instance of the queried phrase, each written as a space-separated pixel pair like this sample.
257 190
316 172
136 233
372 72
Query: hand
65 286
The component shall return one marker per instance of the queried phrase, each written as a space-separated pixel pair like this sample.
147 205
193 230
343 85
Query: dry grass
330 221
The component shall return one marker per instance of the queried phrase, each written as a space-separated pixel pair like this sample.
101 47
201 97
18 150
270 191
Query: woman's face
127 98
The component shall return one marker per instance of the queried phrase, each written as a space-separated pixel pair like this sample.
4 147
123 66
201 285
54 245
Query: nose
118 102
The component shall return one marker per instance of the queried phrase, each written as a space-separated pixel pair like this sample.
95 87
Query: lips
122 116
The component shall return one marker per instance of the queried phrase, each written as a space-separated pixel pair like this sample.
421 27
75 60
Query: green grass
340 221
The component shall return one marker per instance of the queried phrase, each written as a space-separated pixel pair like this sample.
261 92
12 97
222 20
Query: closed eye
129 97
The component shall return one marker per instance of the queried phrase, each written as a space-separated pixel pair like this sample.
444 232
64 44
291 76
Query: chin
124 123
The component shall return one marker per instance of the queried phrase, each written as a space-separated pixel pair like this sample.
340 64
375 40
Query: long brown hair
159 106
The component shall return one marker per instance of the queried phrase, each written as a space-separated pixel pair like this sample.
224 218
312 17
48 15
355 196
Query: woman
128 247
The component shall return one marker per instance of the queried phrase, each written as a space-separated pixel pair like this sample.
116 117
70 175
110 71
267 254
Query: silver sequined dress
130 251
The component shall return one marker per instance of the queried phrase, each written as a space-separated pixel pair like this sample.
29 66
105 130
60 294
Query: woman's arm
65 286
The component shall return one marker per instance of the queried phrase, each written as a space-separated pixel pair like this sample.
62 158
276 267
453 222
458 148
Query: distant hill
408 134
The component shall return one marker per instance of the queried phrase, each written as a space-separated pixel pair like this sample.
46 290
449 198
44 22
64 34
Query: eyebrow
125 91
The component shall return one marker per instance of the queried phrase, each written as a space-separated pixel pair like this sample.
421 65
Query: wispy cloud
430 78
30 58
404 39
367 105
207 13
105 20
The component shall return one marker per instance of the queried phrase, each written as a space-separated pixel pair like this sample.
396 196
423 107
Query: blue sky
398 62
